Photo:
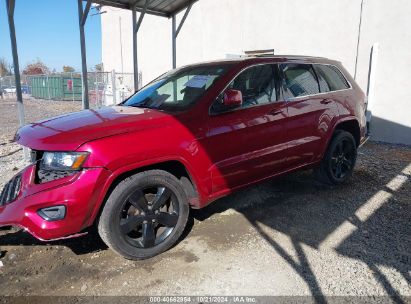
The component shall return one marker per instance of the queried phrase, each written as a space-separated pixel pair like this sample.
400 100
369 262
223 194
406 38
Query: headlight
63 161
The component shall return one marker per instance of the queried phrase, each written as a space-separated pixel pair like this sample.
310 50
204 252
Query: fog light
54 213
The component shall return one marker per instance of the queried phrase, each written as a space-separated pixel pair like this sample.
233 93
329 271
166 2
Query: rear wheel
339 160
144 215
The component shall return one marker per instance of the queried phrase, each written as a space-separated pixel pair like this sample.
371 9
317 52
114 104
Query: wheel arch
172 166
350 125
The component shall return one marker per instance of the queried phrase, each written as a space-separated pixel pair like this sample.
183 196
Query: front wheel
144 215
339 160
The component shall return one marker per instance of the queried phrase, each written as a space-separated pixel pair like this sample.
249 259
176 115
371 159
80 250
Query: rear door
248 143
310 113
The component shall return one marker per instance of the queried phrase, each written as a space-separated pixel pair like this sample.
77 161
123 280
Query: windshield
178 89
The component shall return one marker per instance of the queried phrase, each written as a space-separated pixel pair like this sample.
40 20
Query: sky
48 30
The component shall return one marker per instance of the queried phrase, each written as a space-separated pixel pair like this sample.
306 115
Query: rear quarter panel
350 105
353 104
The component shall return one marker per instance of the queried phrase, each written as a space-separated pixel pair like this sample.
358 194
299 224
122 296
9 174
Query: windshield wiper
139 106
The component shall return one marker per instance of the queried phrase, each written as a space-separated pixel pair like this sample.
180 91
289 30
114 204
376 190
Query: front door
248 143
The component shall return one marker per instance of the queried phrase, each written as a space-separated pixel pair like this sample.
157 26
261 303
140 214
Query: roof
293 57
164 8
257 59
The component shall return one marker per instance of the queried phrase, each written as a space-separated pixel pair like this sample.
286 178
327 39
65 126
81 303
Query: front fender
139 166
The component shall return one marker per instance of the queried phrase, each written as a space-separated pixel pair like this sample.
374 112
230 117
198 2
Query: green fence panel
60 87
71 88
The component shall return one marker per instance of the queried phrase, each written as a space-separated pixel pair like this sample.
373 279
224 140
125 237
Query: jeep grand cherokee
189 137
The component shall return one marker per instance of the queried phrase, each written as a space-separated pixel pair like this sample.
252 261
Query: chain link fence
105 88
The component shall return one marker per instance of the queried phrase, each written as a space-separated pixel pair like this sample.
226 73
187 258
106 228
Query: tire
342 152
147 205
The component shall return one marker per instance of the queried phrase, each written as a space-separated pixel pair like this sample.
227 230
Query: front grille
11 190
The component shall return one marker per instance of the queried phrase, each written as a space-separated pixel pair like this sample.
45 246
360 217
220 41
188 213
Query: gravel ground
288 236
11 154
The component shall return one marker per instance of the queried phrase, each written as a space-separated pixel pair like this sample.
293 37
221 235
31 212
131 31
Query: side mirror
232 98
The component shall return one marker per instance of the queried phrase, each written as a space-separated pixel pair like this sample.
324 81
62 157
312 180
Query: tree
4 68
68 69
35 68
99 67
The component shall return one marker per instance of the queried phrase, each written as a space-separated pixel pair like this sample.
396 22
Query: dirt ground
288 236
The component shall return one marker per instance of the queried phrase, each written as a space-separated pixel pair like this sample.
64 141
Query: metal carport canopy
162 8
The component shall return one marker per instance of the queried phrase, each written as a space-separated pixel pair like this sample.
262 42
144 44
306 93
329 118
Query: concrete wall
389 24
215 28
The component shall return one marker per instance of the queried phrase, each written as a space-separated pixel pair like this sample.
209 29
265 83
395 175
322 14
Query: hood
70 131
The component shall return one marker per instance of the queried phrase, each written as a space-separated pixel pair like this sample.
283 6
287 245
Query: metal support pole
358 40
175 31
121 45
135 58
122 87
85 12
173 39
136 27
10 4
140 19
113 86
96 89
183 19
372 76
82 15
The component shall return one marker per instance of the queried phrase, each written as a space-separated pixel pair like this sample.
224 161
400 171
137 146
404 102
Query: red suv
189 137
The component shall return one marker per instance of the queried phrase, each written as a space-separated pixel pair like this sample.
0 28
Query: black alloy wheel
149 216
343 158
144 215
339 160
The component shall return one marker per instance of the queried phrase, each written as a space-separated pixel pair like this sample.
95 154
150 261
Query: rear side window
330 78
299 80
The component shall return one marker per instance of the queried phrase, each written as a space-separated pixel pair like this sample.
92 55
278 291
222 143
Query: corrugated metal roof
165 8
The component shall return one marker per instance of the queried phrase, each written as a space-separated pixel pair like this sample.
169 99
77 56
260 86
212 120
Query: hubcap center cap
150 215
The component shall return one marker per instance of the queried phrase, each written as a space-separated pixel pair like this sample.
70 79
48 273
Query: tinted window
324 87
256 84
331 78
178 89
300 80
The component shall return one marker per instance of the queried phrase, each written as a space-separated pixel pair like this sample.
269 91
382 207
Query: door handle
276 112
326 101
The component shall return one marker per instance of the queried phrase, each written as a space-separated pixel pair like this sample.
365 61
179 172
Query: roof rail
259 53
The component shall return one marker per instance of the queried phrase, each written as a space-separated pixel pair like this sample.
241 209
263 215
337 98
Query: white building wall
215 28
389 24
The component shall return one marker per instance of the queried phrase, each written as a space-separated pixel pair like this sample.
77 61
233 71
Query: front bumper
80 193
